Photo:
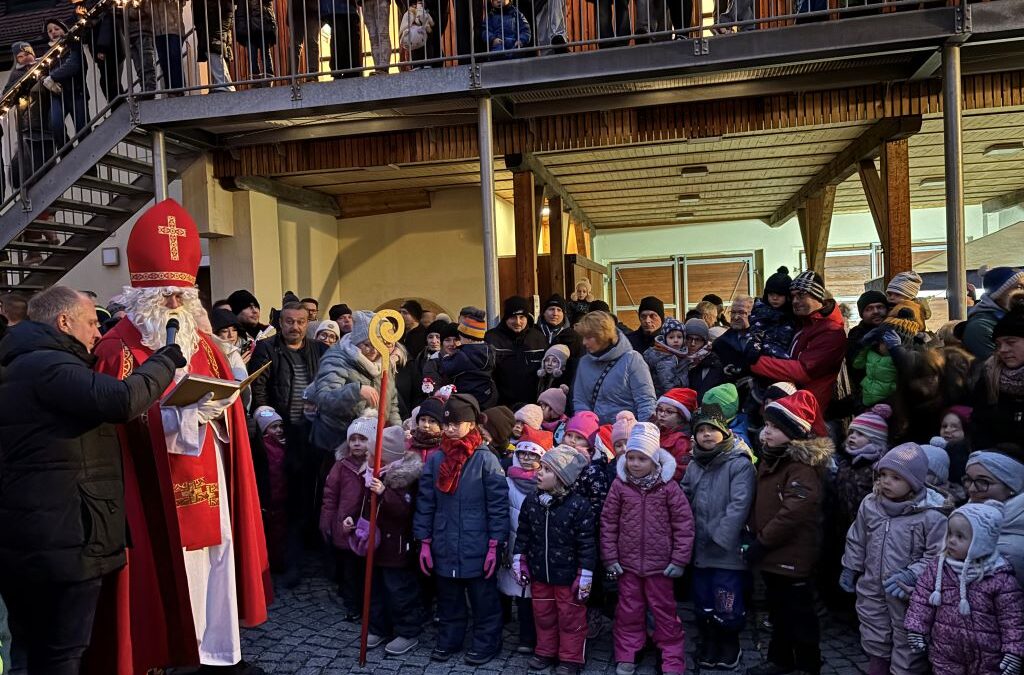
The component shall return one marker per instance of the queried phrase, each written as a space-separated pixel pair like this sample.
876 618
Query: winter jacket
646 531
669 368
69 69
973 644
275 387
1011 537
627 383
62 515
707 374
998 416
730 347
853 481
345 496
470 369
720 495
819 348
258 21
460 525
562 334
677 443
642 341
335 391
167 18
772 328
981 321
880 376
593 484
508 582
214 21
787 508
557 540
33 109
507 25
517 359
396 506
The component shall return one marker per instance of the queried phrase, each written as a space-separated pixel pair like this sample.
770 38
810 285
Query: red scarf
456 452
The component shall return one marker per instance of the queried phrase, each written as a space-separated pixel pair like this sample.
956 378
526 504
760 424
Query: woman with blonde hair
612 376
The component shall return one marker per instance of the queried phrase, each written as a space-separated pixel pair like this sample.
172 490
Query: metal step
17 267
70 228
63 204
20 288
93 183
127 164
39 247
174 146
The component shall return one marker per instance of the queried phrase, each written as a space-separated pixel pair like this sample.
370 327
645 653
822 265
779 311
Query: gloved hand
52 85
735 371
584 582
1010 665
615 569
520 569
210 409
754 553
900 584
891 339
673 571
426 560
491 559
173 352
848 581
917 643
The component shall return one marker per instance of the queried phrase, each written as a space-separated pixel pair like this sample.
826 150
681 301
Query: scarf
456 452
969 571
896 509
422 441
660 346
1011 382
698 356
525 481
705 457
645 483
553 424
869 453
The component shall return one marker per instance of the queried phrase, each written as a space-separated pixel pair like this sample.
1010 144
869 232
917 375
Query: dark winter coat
345 496
275 386
557 540
593 484
471 370
214 20
787 509
396 506
708 374
62 515
998 416
642 341
508 25
981 322
260 22
772 328
69 69
460 524
517 359
562 334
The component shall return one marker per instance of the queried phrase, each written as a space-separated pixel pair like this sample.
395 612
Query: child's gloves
900 584
520 569
848 581
673 571
584 582
918 645
615 570
1010 665
891 339
426 560
491 560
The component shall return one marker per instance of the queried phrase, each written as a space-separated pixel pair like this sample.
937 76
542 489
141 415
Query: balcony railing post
956 263
486 143
159 166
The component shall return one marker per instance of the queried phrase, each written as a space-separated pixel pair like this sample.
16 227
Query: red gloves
426 561
491 560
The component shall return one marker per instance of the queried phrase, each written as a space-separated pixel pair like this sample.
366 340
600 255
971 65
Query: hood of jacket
661 347
31 336
1013 516
617 350
986 306
348 354
404 472
662 457
814 452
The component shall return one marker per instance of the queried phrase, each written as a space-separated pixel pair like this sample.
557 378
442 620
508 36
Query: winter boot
729 652
708 649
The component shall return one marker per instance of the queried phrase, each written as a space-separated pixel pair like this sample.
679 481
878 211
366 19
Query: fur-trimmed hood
816 452
662 457
403 472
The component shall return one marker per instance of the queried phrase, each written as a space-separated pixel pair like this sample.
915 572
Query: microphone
172 330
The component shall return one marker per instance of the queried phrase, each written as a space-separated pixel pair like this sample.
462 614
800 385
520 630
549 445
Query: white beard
145 309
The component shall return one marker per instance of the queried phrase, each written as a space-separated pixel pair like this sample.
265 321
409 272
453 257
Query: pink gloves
426 561
491 561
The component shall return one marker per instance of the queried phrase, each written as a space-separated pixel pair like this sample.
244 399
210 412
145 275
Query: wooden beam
581 239
815 218
556 248
846 162
874 191
526 233
896 248
377 203
307 199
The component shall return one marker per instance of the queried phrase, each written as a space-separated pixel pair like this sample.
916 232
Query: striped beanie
872 423
794 415
811 283
779 390
472 324
906 284
999 280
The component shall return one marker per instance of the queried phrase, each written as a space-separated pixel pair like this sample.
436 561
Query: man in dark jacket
554 324
872 307
652 315
62 517
519 349
247 308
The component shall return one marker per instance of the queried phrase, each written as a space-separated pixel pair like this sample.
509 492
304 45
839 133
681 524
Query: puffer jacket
257 24
973 644
772 328
593 485
396 506
471 370
677 443
507 25
557 540
1011 537
627 385
460 524
853 481
668 366
345 496
646 531
880 376
517 358
335 391
720 494
787 508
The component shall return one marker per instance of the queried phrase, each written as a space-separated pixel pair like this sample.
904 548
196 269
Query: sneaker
768 668
352 617
373 641
475 658
729 652
625 668
540 663
401 645
570 669
441 655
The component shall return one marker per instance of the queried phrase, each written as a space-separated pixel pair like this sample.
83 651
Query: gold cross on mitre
172 231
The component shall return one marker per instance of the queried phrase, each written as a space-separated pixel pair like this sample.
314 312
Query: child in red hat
672 416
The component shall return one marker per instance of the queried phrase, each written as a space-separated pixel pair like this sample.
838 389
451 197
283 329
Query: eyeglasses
695 340
980 484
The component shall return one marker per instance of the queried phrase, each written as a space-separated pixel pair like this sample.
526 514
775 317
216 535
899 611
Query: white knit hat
364 425
986 522
531 415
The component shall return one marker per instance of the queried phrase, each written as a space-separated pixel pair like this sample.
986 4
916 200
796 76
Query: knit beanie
392 446
1004 468
585 423
328 326
726 397
651 304
565 463
19 47
871 298
999 280
360 327
438 327
338 311
531 415
697 328
672 324
811 283
938 459
241 299
624 423
872 423
555 398
555 300
365 425
1011 325
794 415
682 399
599 306
265 416
433 408
516 305
909 462
986 522
644 438
711 415
536 441
498 422
222 318
414 308
560 352
779 390
473 324
906 284
779 282
461 408
905 318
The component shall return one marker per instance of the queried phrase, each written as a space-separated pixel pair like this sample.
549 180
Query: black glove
173 352
754 553
751 352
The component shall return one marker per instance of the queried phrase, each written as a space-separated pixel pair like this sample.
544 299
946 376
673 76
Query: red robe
145 615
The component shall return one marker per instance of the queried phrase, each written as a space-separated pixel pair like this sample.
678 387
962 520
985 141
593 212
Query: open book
191 388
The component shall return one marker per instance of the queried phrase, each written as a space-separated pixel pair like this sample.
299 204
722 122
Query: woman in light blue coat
611 377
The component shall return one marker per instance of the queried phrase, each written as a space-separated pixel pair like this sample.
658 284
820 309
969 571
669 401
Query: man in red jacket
819 345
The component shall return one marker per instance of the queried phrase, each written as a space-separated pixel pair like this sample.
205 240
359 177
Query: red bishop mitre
163 248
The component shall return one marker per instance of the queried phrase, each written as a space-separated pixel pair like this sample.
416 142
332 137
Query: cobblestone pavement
306 636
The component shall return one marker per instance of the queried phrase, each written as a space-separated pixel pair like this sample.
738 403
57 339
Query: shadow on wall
427 304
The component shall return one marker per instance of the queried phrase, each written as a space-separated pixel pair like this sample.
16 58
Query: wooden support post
815 218
581 238
526 233
874 190
556 248
896 247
